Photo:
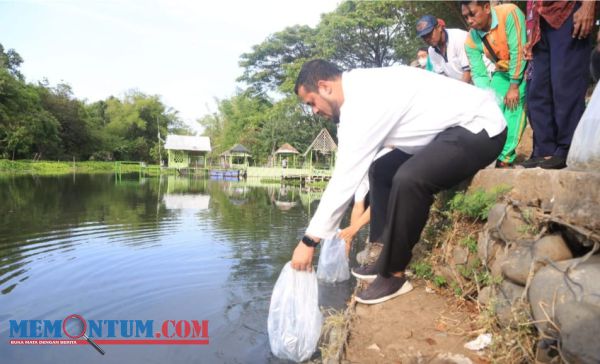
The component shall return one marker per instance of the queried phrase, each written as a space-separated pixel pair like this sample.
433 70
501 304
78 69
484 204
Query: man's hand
302 258
583 20
511 100
347 235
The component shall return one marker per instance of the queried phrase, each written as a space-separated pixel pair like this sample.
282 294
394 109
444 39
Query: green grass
439 281
476 205
63 167
470 243
422 270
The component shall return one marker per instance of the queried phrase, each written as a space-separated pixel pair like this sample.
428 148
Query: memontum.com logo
75 330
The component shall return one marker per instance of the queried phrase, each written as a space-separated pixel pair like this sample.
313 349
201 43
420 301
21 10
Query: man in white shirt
463 133
446 48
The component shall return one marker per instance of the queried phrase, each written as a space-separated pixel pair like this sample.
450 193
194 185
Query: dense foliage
41 121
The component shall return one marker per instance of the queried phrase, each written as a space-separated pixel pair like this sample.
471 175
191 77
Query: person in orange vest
499 33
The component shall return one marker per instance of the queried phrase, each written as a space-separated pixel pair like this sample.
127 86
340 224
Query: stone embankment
542 244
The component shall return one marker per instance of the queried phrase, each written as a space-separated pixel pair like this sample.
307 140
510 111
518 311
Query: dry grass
335 332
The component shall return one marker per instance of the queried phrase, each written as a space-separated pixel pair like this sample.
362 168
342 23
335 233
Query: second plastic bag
333 263
584 154
294 323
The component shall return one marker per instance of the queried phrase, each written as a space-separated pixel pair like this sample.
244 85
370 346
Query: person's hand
347 235
583 20
527 52
511 100
302 257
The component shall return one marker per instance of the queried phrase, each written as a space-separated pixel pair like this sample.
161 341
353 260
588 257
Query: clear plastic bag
584 154
294 323
333 263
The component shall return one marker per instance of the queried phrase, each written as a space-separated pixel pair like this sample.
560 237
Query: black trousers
381 174
454 155
556 94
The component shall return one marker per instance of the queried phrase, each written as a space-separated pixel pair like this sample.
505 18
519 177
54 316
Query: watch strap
309 242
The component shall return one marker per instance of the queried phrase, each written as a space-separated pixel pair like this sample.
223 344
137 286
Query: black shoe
554 163
365 272
533 162
383 289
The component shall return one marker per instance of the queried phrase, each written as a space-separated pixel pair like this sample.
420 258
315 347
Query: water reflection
168 248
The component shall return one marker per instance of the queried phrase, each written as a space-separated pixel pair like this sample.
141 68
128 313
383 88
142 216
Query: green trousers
516 119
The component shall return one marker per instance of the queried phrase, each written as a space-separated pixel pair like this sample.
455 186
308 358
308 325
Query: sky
183 50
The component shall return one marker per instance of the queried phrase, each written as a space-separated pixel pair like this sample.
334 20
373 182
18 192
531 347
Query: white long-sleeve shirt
456 61
400 106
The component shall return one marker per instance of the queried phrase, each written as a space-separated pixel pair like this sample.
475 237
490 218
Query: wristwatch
309 242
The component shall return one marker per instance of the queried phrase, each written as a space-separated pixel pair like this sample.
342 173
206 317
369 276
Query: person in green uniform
499 33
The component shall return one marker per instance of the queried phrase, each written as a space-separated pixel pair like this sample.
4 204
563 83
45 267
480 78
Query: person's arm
517 38
474 54
360 217
583 20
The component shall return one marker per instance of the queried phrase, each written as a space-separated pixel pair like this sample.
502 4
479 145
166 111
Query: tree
75 129
134 124
364 34
238 120
263 66
25 127
355 34
11 61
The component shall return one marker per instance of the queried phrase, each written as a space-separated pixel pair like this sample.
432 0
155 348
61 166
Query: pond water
155 249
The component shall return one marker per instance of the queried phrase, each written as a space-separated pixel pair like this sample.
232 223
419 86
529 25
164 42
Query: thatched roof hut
323 144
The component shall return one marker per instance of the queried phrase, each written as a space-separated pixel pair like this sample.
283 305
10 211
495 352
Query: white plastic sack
584 154
333 263
294 323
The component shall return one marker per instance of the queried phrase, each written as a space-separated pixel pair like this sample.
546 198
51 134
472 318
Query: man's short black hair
423 49
478 2
314 71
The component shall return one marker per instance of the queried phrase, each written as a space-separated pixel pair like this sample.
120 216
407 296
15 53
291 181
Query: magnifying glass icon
74 326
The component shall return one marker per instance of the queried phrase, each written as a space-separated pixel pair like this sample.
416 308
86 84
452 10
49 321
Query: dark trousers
454 155
381 173
556 93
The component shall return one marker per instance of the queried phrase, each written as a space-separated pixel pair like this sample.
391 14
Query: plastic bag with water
294 323
333 263
584 154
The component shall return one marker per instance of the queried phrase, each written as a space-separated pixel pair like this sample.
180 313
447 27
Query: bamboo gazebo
285 151
236 156
322 145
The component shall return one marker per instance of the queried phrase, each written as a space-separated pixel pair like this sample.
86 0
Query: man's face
477 16
321 102
434 37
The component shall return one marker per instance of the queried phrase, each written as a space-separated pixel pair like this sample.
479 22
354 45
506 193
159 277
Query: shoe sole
364 277
406 287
